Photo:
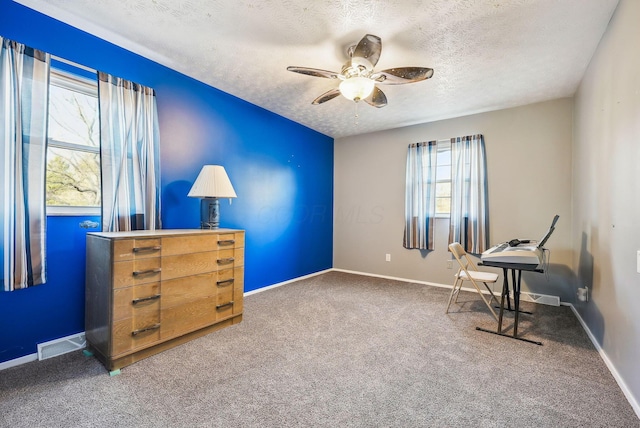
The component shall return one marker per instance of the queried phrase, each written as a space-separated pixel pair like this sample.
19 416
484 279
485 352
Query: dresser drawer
225 303
136 332
230 240
238 290
225 278
181 319
130 302
134 272
229 300
180 291
232 279
131 249
188 264
230 258
188 244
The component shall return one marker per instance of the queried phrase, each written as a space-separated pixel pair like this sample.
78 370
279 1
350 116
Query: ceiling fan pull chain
355 119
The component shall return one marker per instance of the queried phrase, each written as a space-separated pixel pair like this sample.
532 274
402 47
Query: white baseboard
18 361
623 386
544 299
279 284
394 278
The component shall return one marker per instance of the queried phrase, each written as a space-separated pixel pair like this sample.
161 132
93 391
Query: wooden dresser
147 291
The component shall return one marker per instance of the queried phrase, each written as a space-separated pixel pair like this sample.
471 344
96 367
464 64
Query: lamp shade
212 182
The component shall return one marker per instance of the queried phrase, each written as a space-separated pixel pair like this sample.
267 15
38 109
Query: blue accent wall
281 171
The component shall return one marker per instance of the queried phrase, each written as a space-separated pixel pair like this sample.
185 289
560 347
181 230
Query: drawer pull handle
141 249
143 272
224 305
142 330
225 261
227 242
145 299
224 282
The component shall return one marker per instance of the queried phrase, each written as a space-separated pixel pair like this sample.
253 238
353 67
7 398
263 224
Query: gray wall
529 172
606 197
579 158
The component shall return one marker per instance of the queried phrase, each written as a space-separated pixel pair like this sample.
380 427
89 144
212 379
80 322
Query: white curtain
129 155
24 100
469 209
420 195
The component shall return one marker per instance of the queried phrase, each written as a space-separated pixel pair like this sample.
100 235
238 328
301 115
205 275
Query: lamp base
209 213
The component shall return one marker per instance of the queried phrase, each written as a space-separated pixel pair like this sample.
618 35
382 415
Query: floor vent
56 347
544 299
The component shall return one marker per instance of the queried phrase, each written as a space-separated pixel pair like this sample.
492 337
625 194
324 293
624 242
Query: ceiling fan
357 78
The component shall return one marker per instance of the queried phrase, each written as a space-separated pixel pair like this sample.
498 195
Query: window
443 179
447 179
73 153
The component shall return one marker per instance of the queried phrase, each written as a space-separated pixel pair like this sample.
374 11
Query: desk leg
515 280
505 272
505 293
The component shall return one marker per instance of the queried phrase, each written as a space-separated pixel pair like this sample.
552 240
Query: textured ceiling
487 54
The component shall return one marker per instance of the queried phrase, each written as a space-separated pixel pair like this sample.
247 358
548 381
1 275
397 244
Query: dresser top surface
161 232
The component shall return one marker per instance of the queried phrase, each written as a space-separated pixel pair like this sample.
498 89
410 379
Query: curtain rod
74 64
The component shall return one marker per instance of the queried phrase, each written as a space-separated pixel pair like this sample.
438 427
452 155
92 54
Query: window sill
53 211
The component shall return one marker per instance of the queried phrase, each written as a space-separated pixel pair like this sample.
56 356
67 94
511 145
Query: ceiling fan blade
377 98
315 72
401 75
369 48
329 95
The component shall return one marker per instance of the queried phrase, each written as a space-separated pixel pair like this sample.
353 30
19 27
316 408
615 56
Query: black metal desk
516 275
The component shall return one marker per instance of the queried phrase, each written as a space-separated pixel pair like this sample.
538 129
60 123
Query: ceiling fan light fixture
358 80
356 88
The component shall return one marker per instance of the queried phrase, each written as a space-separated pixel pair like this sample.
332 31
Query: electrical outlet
387 257
449 264
583 294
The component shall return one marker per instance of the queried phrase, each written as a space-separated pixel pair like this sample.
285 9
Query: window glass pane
443 178
73 178
443 190
444 156
444 152
443 205
73 117
443 172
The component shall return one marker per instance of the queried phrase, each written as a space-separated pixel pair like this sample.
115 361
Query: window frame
85 86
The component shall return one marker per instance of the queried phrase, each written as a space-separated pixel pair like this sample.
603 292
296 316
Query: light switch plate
638 263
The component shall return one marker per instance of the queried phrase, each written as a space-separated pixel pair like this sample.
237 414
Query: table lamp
212 183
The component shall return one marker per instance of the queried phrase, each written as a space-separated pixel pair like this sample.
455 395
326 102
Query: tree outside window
73 154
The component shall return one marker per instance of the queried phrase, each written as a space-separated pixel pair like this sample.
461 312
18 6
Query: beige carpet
338 350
